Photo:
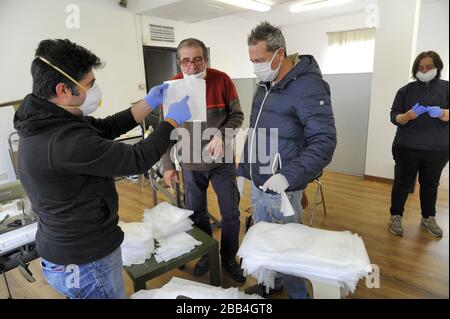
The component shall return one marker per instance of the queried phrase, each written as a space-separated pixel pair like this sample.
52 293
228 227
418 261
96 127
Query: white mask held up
426 77
264 70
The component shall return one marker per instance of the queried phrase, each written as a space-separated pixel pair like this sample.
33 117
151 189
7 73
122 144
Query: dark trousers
223 180
429 165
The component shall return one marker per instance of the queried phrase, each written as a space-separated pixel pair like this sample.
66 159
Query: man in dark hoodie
67 164
292 135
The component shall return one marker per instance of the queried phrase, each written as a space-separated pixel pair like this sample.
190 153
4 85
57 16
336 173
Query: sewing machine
17 231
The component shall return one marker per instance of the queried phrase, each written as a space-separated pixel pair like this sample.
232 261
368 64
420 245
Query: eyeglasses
196 61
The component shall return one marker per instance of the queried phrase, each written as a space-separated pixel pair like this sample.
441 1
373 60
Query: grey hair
271 35
191 42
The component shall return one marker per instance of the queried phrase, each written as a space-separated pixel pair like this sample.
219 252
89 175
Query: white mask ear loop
274 165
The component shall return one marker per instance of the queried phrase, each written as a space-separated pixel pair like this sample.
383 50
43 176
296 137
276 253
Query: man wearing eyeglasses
223 112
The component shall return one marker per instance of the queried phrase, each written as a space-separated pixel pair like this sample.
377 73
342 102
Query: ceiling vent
162 33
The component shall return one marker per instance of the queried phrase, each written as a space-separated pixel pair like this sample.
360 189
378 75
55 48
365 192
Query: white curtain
350 52
350 37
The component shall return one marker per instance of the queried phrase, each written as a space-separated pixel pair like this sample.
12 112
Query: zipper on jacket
254 129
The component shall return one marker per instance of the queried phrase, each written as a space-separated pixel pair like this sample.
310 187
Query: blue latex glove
179 112
435 111
154 97
419 109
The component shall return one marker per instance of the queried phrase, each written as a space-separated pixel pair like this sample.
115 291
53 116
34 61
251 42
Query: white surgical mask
92 101
426 77
200 75
264 70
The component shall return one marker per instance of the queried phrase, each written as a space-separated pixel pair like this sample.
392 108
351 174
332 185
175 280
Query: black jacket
425 132
67 166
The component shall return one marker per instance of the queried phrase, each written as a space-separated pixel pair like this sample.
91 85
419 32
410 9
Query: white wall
434 35
312 38
105 28
433 30
226 37
394 49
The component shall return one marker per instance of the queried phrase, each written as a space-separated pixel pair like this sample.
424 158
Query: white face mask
426 77
264 70
200 75
92 101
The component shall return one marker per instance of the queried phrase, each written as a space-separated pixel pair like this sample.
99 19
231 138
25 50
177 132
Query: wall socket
3 175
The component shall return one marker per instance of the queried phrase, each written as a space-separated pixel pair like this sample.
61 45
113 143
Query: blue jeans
266 208
101 279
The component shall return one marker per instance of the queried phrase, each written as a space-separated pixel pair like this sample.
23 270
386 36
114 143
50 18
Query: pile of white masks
138 244
174 246
168 220
170 224
330 257
181 287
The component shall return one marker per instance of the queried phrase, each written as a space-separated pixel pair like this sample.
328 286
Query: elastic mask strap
62 72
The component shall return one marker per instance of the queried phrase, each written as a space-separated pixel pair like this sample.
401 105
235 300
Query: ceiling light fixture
248 4
316 5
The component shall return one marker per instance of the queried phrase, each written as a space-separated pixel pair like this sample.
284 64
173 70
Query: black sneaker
260 289
234 269
202 266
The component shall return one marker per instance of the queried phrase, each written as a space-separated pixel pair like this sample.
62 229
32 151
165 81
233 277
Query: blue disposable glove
435 111
155 96
419 109
179 112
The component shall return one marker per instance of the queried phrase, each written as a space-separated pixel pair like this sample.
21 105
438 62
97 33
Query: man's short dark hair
73 59
271 35
191 42
436 60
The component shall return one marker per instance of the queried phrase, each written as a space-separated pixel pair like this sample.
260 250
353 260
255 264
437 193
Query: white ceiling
280 15
191 11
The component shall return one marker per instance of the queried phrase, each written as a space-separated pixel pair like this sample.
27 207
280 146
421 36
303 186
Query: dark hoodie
67 165
425 132
299 108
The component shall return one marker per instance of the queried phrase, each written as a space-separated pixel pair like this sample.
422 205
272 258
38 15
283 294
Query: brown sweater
223 111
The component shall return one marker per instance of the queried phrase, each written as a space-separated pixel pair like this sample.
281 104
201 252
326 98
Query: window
350 52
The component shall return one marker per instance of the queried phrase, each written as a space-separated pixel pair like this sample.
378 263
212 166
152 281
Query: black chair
316 196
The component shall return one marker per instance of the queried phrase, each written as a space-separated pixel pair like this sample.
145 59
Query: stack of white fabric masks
170 224
138 244
168 220
181 287
331 257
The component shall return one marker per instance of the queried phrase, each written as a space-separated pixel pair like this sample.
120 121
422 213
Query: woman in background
421 144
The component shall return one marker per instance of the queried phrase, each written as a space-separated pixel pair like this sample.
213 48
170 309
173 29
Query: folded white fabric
175 246
194 290
138 244
327 256
168 219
